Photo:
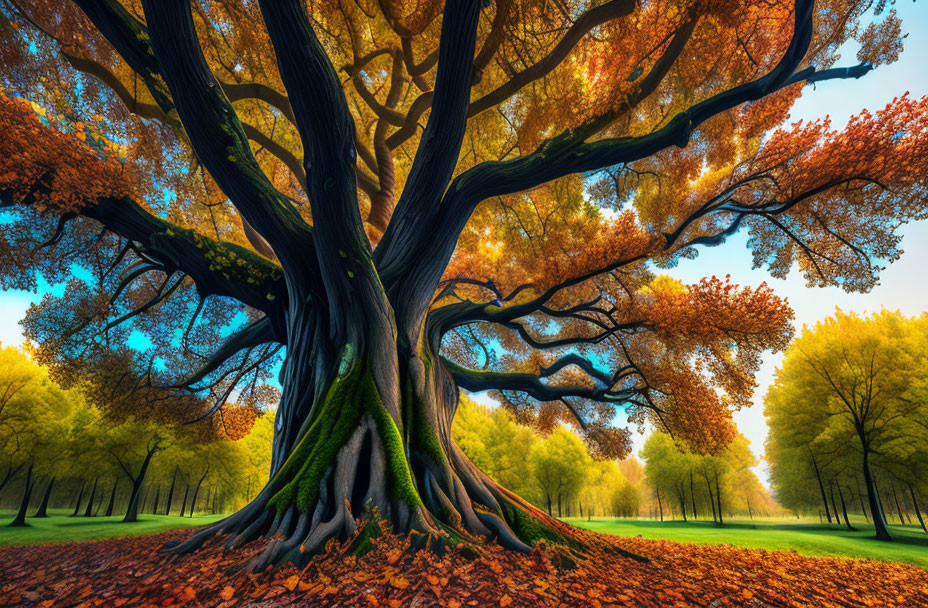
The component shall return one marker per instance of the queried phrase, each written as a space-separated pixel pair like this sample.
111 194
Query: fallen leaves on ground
135 572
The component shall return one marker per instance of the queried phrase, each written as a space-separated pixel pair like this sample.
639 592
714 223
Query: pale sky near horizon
902 285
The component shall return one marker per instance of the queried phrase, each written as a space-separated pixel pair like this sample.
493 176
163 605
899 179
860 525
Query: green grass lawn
778 534
59 527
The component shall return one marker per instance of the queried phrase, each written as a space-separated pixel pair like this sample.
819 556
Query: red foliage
61 174
133 572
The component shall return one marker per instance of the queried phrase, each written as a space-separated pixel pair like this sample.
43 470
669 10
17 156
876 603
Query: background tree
840 397
388 230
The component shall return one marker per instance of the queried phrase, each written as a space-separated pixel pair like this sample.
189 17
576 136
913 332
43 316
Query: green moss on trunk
350 398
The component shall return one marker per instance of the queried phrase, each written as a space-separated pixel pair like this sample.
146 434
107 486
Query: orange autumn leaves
59 174
129 572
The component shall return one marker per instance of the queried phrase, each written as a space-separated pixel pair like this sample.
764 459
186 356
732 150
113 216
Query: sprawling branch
437 154
531 384
217 268
590 19
217 135
327 131
254 334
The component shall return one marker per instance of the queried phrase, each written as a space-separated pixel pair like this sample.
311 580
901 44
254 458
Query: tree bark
196 491
834 503
898 506
167 504
847 522
42 511
693 496
718 496
363 436
88 512
132 513
183 505
860 497
821 486
918 512
112 502
660 505
682 495
80 495
20 519
876 509
154 507
711 497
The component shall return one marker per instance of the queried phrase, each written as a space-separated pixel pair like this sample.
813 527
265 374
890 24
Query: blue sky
902 287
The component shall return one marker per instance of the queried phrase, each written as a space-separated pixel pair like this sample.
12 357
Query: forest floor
136 572
60 527
808 537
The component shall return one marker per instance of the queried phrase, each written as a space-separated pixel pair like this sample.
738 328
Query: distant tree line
688 485
59 450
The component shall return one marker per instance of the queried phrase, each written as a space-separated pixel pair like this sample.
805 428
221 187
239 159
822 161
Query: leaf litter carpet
136 572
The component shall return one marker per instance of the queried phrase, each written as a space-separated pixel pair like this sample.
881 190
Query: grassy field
779 534
59 527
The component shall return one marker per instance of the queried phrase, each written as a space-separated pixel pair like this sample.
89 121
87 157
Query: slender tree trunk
548 497
860 497
20 519
154 508
898 506
711 498
821 487
80 495
660 505
88 512
559 513
167 504
183 505
918 512
43 506
834 503
112 503
876 509
693 496
682 496
750 512
718 496
196 491
132 513
847 522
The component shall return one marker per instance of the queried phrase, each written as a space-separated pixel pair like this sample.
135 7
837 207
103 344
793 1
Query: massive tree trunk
367 434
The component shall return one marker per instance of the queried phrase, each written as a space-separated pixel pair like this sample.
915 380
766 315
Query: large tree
412 198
